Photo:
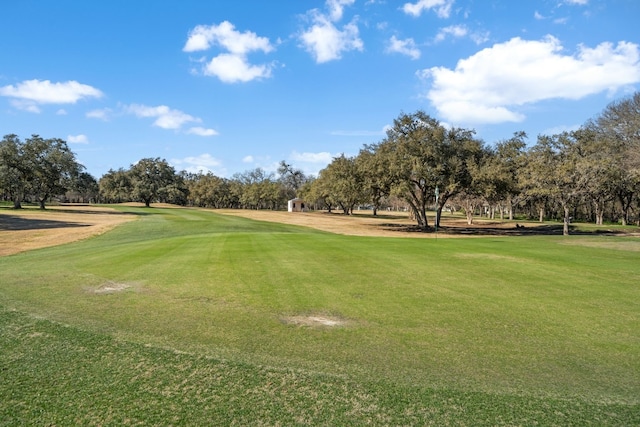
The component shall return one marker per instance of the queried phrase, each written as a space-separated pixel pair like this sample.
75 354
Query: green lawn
483 331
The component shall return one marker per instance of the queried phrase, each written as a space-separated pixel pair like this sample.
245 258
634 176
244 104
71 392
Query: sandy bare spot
31 228
111 287
314 321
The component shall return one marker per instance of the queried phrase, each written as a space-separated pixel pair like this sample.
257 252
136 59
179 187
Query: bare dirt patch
31 228
314 321
111 287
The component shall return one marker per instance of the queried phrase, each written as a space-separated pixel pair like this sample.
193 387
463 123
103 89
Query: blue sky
228 86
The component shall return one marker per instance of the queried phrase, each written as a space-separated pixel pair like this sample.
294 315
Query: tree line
591 174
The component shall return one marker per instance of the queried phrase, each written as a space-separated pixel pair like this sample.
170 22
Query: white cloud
102 114
78 139
166 118
560 129
25 105
326 42
323 157
200 131
45 92
336 8
61 112
489 86
405 47
231 68
460 31
233 65
578 2
441 7
311 163
204 163
202 37
456 31
31 93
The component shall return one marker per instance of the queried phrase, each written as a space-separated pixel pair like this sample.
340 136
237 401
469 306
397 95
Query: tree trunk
469 213
541 214
599 208
565 226
41 202
510 208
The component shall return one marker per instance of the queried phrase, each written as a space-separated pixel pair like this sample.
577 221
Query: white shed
296 205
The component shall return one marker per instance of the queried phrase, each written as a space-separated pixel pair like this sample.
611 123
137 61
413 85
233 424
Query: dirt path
30 228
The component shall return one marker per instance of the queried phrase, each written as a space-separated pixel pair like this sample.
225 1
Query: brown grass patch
361 223
390 224
31 228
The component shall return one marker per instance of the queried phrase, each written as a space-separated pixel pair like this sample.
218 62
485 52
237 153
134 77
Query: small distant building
296 205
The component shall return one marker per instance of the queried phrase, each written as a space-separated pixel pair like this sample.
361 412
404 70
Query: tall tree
85 187
619 126
425 156
14 170
505 165
343 183
372 163
553 171
53 167
291 179
151 179
115 186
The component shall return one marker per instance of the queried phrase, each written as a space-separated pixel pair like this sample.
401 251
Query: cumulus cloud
323 157
101 114
455 31
200 131
27 95
231 68
78 139
324 40
488 86
166 118
336 8
404 47
460 31
232 65
442 8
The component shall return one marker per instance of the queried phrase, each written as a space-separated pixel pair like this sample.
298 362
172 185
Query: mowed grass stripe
60 375
532 316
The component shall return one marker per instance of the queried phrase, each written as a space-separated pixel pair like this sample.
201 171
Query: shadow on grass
515 230
17 223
